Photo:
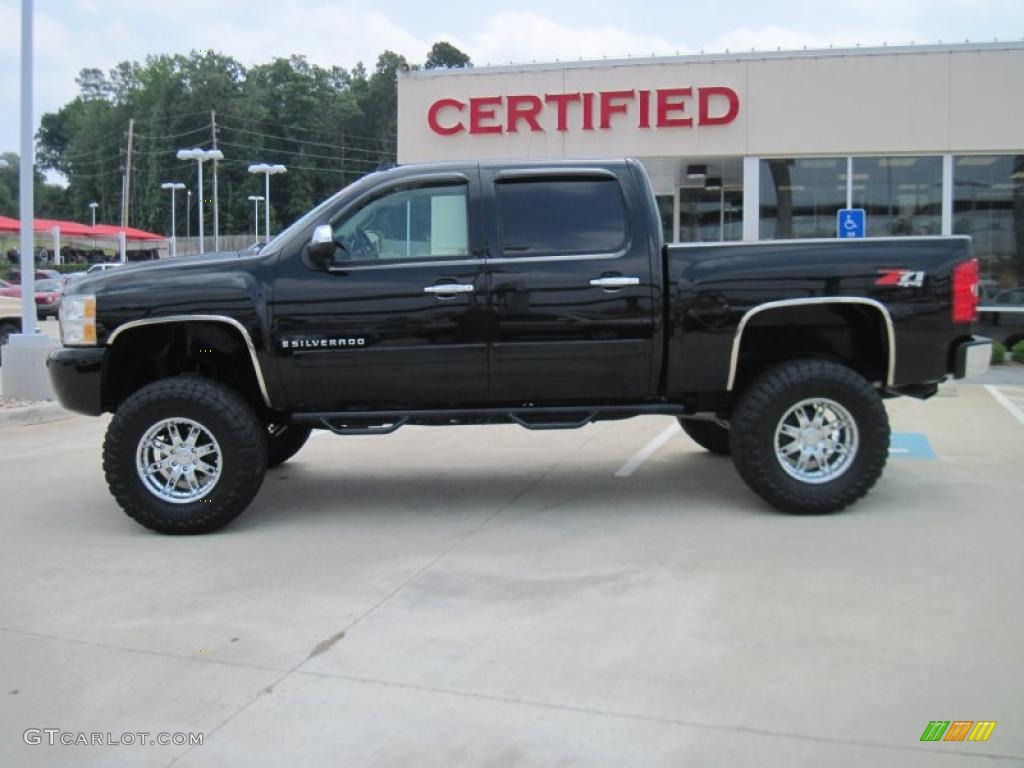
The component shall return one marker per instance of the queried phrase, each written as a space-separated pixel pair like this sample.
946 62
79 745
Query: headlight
78 320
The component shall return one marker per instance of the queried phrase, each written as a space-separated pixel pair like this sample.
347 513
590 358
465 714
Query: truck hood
165 272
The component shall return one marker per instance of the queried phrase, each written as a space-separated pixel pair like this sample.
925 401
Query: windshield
48 285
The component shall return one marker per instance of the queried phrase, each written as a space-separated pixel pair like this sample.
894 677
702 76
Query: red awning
74 229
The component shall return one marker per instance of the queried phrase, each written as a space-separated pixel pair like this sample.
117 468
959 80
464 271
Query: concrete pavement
492 596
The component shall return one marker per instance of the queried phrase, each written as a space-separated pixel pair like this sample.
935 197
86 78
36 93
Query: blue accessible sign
851 222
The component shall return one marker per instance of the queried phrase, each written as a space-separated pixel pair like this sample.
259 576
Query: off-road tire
284 444
767 400
709 435
239 432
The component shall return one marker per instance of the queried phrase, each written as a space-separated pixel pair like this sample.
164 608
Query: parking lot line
1004 401
647 451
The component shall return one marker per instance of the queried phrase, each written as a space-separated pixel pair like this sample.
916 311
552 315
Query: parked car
540 294
47 294
10 319
1002 317
14 275
102 266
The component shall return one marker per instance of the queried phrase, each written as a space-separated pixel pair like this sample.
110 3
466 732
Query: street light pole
174 186
92 207
188 214
26 201
200 156
256 199
267 171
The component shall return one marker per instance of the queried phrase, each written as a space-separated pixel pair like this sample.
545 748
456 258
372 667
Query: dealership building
928 140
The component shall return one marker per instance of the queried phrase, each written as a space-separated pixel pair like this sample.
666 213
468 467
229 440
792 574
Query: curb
32 414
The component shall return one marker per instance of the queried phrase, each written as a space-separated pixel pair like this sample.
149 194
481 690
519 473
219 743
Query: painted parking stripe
647 451
1004 401
910 445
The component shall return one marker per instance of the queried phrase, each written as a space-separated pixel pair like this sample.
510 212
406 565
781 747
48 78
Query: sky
73 34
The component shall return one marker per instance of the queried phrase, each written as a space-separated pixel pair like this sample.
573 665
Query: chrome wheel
816 440
178 460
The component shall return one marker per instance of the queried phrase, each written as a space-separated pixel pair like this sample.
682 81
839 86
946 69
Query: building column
675 213
751 198
947 194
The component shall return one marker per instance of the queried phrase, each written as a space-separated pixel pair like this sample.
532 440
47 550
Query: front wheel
185 455
810 437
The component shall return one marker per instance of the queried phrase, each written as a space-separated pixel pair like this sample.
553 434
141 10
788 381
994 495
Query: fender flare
751 313
257 368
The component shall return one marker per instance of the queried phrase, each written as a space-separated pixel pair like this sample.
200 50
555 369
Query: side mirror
321 246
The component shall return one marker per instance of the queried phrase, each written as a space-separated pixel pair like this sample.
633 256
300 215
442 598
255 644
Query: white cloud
771 38
525 37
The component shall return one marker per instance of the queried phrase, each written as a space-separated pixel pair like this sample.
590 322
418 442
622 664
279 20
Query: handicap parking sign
850 222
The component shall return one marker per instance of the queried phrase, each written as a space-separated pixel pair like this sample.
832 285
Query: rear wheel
284 441
810 437
185 455
709 435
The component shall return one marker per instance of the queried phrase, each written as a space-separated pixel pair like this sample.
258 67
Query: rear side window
553 217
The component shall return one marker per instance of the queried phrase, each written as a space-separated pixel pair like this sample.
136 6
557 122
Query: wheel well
140 356
855 335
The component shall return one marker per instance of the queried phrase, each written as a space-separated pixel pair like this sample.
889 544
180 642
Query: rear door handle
614 282
445 290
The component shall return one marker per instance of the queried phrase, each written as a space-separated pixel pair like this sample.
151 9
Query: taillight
965 291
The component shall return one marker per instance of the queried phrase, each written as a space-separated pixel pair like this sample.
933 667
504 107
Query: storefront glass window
900 195
711 200
988 205
800 197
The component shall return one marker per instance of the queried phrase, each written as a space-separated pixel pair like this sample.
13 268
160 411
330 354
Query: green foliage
50 199
998 353
444 55
329 125
1017 352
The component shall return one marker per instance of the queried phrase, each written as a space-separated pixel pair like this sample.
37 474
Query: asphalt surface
489 596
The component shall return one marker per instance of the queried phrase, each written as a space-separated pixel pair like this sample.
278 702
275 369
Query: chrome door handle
614 282
448 289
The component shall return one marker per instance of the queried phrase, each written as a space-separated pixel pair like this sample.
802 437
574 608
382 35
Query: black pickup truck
539 294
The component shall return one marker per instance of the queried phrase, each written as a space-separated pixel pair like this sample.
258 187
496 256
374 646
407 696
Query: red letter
562 101
531 107
608 108
478 113
729 94
645 109
436 107
665 106
588 111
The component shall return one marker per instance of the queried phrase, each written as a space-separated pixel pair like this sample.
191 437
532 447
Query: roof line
704 58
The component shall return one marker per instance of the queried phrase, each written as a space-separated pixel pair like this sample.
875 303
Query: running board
530 417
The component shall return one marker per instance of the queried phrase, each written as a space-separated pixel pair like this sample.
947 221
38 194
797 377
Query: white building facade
926 139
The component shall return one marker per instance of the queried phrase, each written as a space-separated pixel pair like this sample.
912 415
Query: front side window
549 217
425 222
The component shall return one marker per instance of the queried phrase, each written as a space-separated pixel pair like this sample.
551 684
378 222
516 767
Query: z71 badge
901 278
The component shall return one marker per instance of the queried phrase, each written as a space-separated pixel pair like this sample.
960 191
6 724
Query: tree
444 55
51 201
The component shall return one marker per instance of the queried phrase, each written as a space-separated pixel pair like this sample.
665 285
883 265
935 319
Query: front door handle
445 290
614 282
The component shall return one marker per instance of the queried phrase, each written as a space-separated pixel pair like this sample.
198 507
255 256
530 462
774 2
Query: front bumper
972 358
77 376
